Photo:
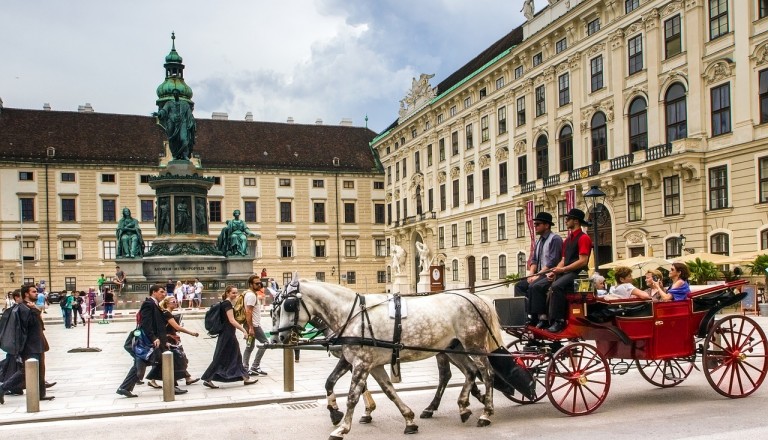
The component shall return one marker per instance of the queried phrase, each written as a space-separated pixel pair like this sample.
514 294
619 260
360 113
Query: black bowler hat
544 217
579 215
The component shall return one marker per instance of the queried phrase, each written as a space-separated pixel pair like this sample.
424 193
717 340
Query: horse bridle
291 301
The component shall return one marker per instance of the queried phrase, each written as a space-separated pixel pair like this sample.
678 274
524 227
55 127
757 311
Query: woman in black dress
227 363
180 362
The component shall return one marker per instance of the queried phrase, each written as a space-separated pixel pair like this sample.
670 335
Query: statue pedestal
400 284
423 284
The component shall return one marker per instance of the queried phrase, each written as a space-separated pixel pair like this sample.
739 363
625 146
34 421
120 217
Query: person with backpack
227 363
252 322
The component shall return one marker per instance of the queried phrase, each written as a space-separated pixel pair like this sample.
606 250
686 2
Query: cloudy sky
309 59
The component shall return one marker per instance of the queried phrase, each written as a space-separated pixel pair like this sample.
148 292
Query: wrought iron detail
552 180
584 172
624 161
658 152
528 187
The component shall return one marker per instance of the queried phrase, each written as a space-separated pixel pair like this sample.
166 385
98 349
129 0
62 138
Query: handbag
143 348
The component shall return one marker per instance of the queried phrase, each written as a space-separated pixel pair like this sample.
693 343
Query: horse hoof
482 422
336 417
366 420
465 416
411 429
426 414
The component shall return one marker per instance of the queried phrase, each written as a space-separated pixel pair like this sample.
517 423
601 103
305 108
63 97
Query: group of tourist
555 263
186 290
157 321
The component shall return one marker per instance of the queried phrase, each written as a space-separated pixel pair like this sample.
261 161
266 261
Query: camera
655 278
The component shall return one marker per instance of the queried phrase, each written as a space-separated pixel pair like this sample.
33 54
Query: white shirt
252 300
623 290
198 287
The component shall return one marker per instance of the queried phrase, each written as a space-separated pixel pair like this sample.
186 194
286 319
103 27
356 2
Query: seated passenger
599 284
653 279
625 289
680 288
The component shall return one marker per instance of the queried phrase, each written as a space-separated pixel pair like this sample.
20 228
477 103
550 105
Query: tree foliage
703 271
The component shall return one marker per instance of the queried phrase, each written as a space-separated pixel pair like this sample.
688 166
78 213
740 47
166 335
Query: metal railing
528 187
624 161
658 152
551 180
584 172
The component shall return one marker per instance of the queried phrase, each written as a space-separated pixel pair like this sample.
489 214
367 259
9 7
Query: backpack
214 320
63 303
238 308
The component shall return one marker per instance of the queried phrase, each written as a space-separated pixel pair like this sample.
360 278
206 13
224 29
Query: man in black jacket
153 325
31 343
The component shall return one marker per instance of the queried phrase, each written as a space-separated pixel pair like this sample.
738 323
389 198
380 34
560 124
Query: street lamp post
595 198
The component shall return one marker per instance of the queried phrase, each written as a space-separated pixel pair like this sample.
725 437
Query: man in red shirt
576 250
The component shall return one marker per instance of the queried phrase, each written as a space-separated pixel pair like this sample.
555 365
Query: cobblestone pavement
86 382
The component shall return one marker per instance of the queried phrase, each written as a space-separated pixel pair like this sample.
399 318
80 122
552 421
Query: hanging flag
529 215
570 199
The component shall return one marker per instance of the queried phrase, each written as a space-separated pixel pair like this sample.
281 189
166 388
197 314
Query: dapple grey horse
434 323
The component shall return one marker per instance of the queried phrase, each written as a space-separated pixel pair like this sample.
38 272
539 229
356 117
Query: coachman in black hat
547 253
576 251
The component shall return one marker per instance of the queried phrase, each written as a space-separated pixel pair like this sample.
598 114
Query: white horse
433 323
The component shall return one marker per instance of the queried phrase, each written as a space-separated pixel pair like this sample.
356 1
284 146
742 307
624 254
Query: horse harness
292 301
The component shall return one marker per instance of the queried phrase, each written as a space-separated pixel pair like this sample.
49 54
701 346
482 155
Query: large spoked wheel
536 365
665 374
734 356
578 379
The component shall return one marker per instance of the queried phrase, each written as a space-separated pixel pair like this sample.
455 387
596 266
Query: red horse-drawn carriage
662 339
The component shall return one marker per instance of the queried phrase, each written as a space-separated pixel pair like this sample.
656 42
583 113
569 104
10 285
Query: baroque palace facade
313 193
663 104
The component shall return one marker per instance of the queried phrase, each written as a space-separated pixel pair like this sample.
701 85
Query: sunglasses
537 224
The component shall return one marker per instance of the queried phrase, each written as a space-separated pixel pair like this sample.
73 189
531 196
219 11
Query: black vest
572 247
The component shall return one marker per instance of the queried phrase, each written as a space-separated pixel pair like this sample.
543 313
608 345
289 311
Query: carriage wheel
578 379
734 356
665 374
536 366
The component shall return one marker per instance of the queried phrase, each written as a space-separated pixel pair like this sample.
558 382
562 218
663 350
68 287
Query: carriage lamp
595 199
13 277
333 270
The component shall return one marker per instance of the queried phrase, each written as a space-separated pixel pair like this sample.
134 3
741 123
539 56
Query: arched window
566 149
638 125
542 158
455 270
674 247
389 274
764 239
677 117
719 243
485 270
599 138
502 266
521 266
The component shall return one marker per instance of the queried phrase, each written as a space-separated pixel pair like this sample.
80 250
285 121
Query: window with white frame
484 230
502 266
518 72
381 247
454 235
673 40
635 52
455 270
671 195
634 203
69 249
563 90
501 226
721 109
28 250
541 105
286 248
485 132
718 18
109 248
718 187
499 82
762 172
468 232
521 266
485 268
719 243
593 26
350 248
561 45
319 248
596 73
673 247
441 237
501 120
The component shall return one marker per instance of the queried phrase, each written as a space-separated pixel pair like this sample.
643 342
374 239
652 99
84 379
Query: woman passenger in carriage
680 288
625 289
655 288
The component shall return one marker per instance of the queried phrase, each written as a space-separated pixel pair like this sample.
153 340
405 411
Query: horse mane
494 339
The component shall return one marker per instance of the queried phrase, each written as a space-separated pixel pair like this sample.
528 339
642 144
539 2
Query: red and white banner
570 199
529 215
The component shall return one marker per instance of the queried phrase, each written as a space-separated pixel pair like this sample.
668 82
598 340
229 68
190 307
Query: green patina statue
130 243
233 239
176 119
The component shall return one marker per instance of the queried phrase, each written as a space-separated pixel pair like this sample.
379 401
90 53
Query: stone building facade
663 104
314 194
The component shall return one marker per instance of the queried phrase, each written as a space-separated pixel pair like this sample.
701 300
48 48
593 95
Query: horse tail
494 339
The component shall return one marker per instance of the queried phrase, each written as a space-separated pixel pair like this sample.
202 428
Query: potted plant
703 271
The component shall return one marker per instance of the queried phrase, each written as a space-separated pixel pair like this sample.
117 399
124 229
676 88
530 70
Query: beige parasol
704 256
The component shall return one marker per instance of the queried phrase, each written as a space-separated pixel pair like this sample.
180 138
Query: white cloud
307 59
